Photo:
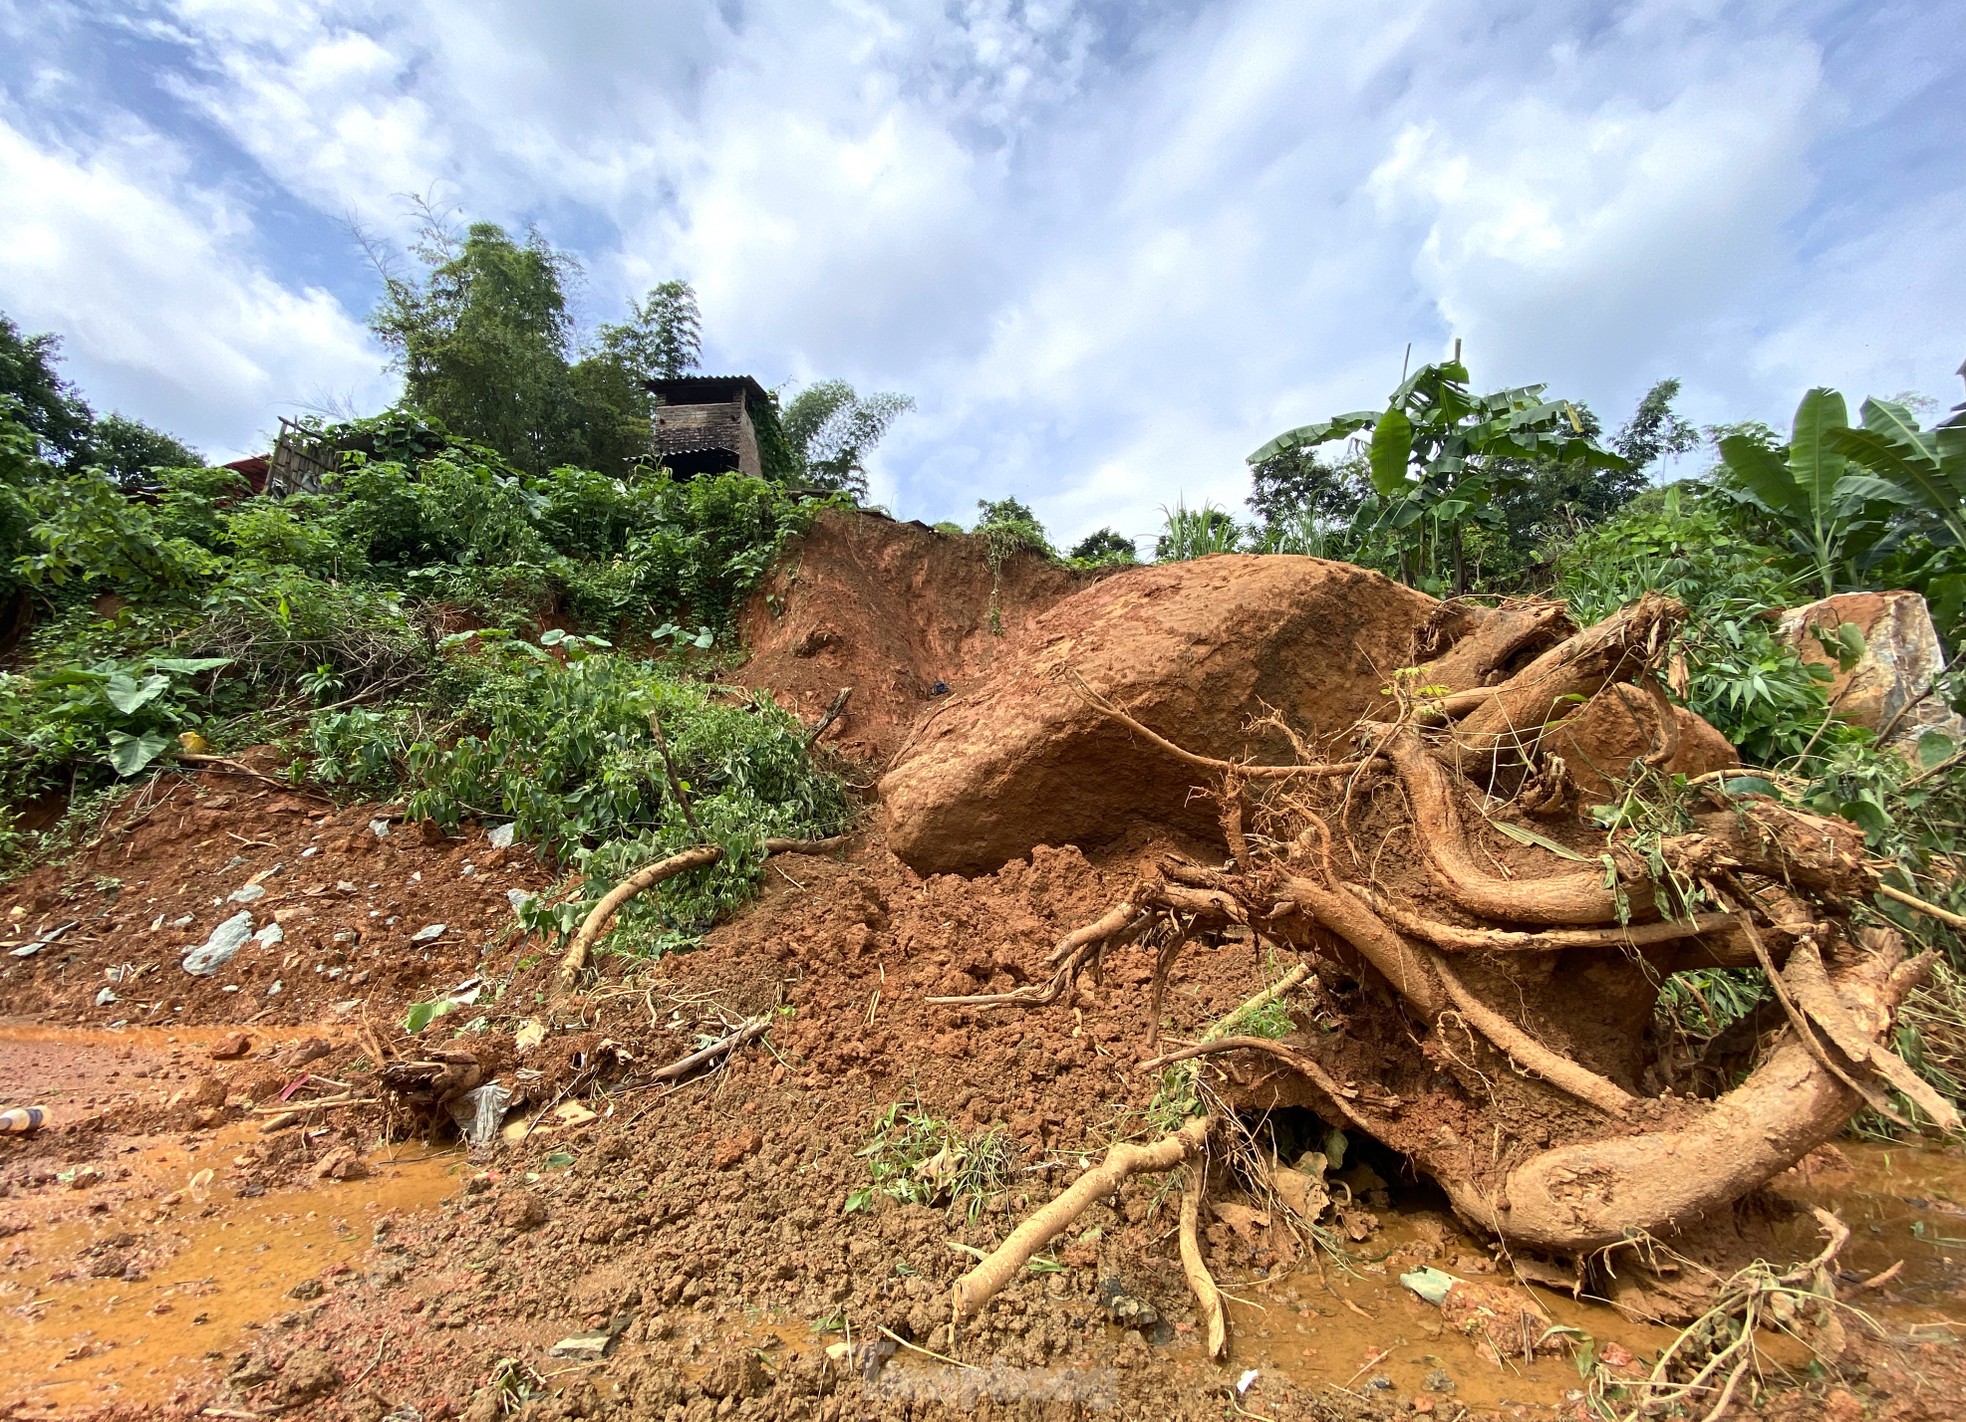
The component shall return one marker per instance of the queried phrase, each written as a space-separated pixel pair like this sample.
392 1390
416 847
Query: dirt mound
891 610
1197 648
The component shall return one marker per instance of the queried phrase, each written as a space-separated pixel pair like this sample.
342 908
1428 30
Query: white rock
429 934
380 828
216 951
501 836
247 894
269 935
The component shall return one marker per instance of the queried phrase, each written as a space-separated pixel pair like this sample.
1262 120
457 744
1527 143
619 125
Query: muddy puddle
1336 1327
132 1265
196 1274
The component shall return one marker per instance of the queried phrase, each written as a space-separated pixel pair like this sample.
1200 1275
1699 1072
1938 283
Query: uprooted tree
1485 987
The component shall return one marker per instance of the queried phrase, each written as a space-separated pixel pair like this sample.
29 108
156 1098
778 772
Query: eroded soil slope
889 609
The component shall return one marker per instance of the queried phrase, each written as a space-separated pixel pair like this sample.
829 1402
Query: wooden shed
703 424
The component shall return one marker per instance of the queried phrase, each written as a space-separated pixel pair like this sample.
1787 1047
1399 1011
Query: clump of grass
922 1159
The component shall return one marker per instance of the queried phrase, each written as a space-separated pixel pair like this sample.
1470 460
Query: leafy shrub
557 739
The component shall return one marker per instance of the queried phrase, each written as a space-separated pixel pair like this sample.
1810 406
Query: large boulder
1901 657
1192 650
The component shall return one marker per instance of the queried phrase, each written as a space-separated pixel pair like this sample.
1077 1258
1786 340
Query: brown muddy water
146 1283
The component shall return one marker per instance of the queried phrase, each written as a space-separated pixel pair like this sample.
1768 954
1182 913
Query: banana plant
1918 469
1438 456
1829 513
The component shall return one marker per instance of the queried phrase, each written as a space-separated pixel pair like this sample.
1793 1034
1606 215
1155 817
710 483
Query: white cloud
1112 248
163 315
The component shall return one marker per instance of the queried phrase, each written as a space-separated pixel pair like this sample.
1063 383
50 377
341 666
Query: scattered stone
247 894
520 1210
739 1374
307 1375
519 898
1439 1381
341 1163
307 1289
230 1047
501 836
270 935
379 828
83 1177
428 934
729 1152
216 951
1124 1308
587 1347
105 996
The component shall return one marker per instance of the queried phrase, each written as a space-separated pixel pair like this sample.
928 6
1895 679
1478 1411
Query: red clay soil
889 609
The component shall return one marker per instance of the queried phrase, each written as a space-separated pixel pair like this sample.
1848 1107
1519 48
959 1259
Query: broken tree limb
675 782
1508 724
831 715
1208 1299
595 924
1917 905
982 1283
755 1027
1300 1062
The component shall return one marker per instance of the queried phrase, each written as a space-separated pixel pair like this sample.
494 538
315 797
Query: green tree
1438 455
482 337
1829 516
128 450
47 407
831 429
1106 546
663 337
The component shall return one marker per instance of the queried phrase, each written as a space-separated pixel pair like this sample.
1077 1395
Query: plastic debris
105 997
216 951
480 1113
379 828
1430 1284
1245 1382
519 898
22 1120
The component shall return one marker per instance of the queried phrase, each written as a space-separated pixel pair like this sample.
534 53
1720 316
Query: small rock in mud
310 1049
307 1289
1439 1381
341 1163
730 1151
740 1374
83 1177
308 1374
1126 1309
249 1370
520 1209
230 1047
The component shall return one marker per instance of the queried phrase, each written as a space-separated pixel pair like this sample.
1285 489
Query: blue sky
1110 248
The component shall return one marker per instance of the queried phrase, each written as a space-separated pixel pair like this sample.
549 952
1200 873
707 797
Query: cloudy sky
1109 247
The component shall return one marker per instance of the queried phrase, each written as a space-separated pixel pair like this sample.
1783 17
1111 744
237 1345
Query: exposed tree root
1503 1043
723 1046
1208 1299
982 1283
574 962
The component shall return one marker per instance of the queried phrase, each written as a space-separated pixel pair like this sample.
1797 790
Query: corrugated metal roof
705 389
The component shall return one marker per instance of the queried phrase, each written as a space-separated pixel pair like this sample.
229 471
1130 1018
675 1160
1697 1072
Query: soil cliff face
889 609
1194 649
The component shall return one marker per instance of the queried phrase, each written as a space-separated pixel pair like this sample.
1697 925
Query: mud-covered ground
691 1245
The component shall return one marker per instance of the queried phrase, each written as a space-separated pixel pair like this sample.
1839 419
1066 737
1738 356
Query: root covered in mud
1485 990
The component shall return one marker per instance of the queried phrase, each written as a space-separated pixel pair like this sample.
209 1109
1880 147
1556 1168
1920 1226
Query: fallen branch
1261 1000
1457 938
1340 1096
832 714
755 1027
1208 1299
982 1283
